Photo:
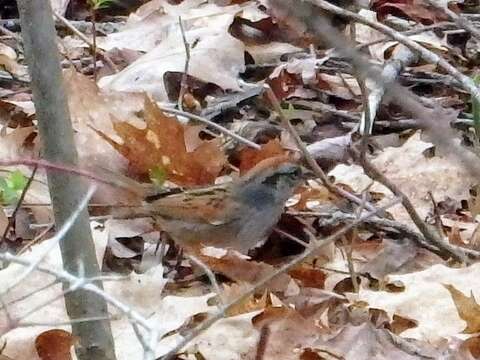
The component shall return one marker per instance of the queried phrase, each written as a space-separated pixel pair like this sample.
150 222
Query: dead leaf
162 144
314 198
54 345
154 28
467 308
415 173
8 61
92 109
242 270
250 157
59 6
13 115
400 324
248 304
472 346
424 294
417 10
365 342
309 276
285 333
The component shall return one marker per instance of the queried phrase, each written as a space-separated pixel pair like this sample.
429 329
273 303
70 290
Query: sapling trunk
66 189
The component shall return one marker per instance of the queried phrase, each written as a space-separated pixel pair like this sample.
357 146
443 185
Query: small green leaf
290 111
12 186
100 4
9 196
158 175
17 181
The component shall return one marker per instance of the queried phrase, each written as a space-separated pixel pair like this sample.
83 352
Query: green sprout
158 175
100 4
11 187
290 111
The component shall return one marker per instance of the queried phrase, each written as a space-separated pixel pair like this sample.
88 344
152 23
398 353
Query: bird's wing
211 205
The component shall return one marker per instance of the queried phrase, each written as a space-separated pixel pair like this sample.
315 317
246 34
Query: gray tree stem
66 189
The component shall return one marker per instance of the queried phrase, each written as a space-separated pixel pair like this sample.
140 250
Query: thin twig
63 323
291 237
311 250
11 220
69 278
459 20
87 41
93 14
406 99
466 83
37 238
183 84
7 32
35 291
44 164
54 240
308 157
211 124
410 32
428 232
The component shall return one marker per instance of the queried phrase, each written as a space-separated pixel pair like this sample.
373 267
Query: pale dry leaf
151 24
427 301
468 309
393 258
342 87
3 221
126 228
167 314
288 333
430 40
59 6
231 338
8 62
12 147
306 68
215 55
209 63
271 52
27 106
21 340
365 342
240 269
142 292
90 108
365 34
415 173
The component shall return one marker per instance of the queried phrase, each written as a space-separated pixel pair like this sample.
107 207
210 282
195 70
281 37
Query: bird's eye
297 172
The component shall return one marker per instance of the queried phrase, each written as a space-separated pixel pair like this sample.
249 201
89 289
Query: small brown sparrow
237 215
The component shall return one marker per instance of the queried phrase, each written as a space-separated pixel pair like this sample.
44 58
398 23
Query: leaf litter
410 303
